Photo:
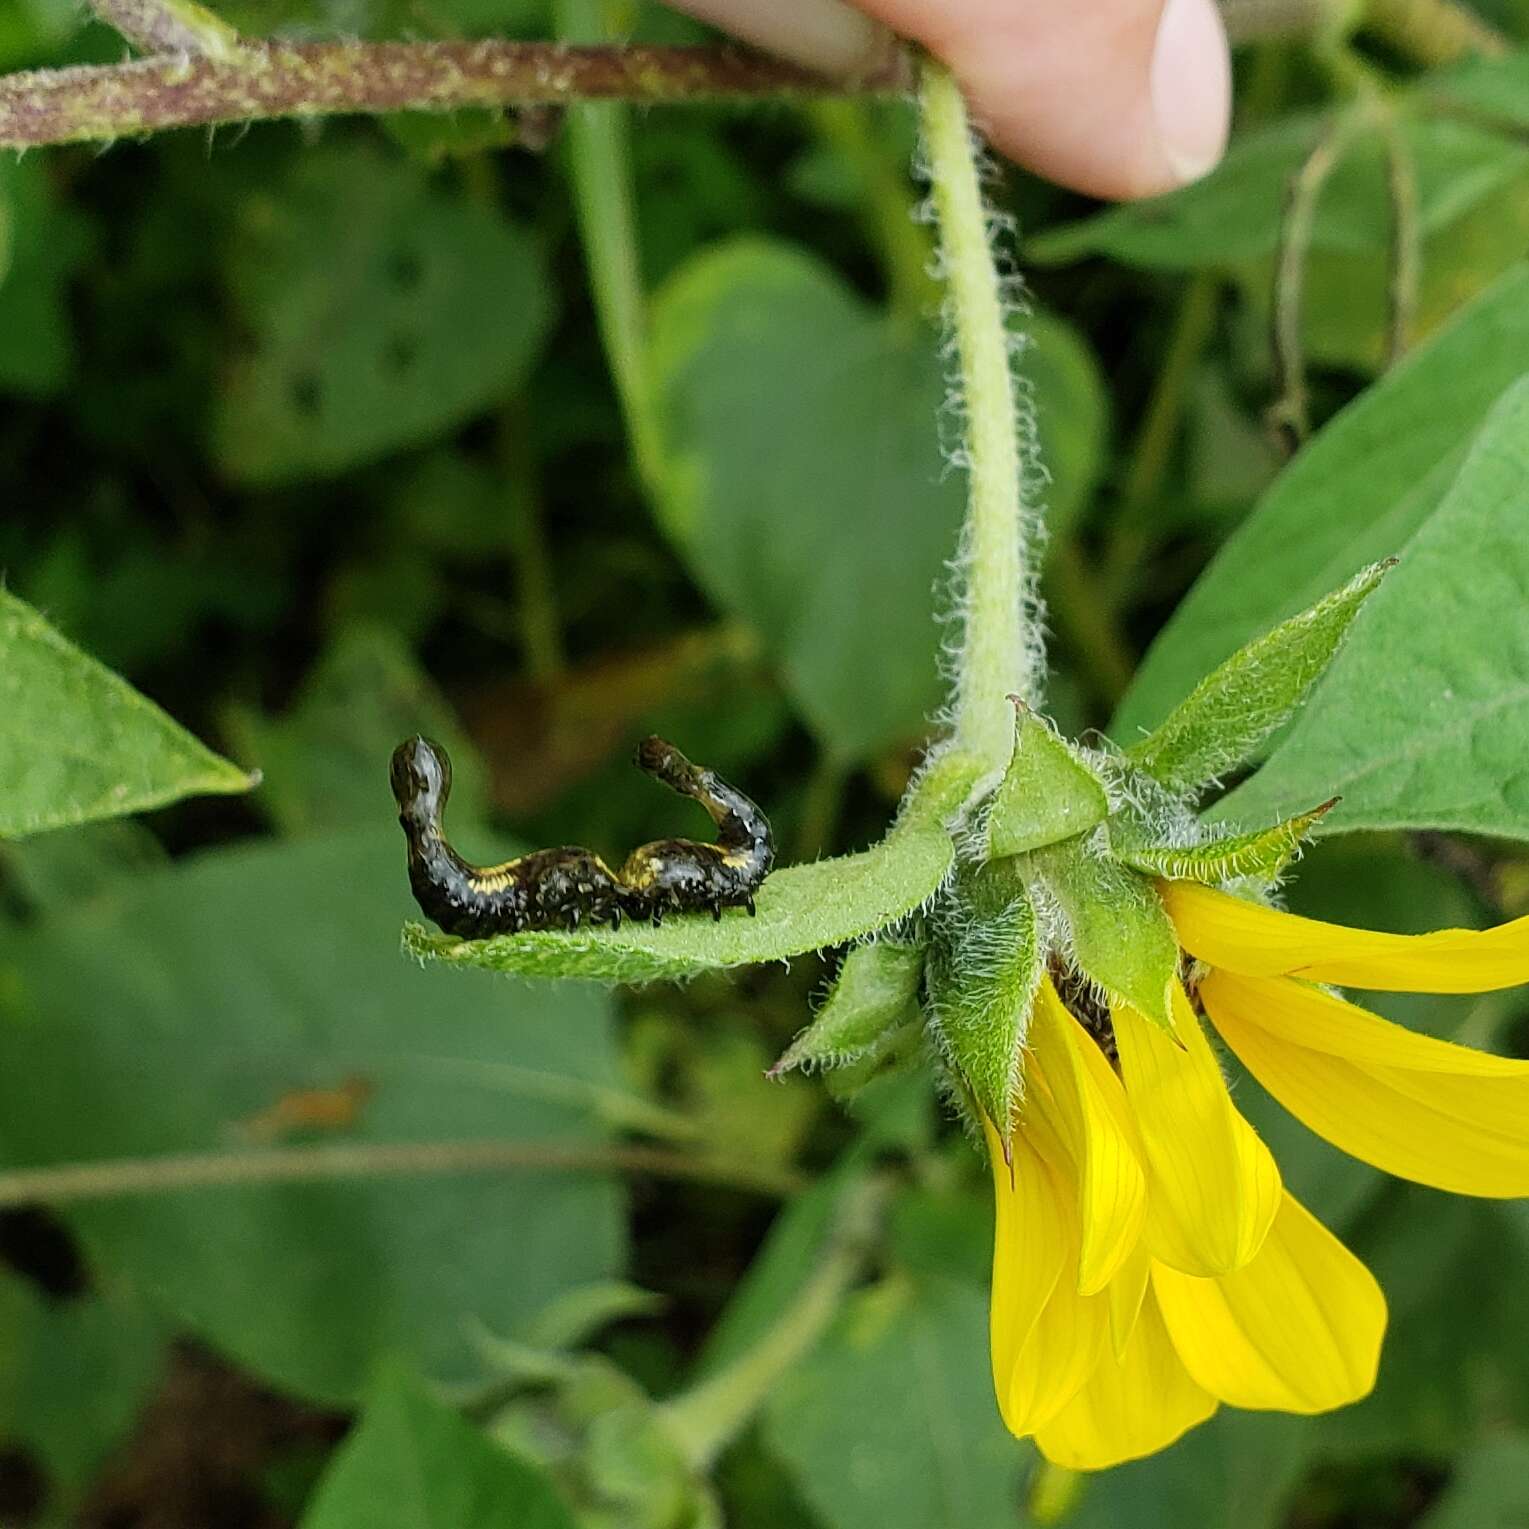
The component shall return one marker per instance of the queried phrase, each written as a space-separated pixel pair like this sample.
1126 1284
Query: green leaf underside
985 964
1220 725
1424 720
79 743
1357 492
1046 794
873 992
801 479
1263 854
801 908
1121 937
412 1463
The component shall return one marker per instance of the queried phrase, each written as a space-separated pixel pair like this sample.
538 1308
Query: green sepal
1263 854
1048 793
875 991
985 963
1121 936
1220 725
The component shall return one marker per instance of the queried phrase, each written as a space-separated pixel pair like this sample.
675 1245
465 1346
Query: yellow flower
1148 1263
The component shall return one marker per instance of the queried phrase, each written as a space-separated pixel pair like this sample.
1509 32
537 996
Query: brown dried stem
272 80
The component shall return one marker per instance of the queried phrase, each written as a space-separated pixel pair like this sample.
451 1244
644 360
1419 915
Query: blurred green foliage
309 433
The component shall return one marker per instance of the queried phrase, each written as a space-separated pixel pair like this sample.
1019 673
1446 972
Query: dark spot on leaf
406 270
305 394
402 352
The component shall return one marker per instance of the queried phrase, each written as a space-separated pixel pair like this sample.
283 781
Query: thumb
1119 98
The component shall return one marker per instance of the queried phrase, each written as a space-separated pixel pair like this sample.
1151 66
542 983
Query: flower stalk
999 652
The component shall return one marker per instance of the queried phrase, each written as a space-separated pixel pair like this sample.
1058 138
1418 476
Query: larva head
421 775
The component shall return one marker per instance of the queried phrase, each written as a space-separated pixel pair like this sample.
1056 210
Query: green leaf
243 977
1121 937
380 312
79 743
890 1424
1354 495
1047 793
800 476
414 1464
322 761
1472 201
1424 720
1484 88
1263 854
1490 1487
1220 725
1238 1471
801 908
874 991
986 960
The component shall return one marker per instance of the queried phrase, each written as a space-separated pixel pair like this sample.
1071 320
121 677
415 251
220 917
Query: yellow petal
1125 1294
1077 1099
1133 1405
1306 1016
1066 1340
1296 1330
1417 1107
1241 936
1029 1235
1213 1188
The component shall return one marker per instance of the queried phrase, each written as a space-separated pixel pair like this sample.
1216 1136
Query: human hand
1118 98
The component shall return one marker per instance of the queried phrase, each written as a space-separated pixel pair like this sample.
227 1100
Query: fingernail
821 34
1191 86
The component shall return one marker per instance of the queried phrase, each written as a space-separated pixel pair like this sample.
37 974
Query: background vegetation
309 431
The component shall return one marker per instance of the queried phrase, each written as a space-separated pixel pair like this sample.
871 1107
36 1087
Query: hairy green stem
277 79
114 1178
705 1419
999 651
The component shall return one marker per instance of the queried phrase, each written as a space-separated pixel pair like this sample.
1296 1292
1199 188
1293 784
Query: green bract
976 901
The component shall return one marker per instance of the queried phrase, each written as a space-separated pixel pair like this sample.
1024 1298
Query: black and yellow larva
562 888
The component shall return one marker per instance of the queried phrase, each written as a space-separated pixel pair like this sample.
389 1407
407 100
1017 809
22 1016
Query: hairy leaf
1424 719
78 742
1264 853
1220 725
985 964
801 908
872 993
1047 793
1120 936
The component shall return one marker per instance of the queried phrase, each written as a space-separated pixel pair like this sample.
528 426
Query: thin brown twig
276 79
113 1178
